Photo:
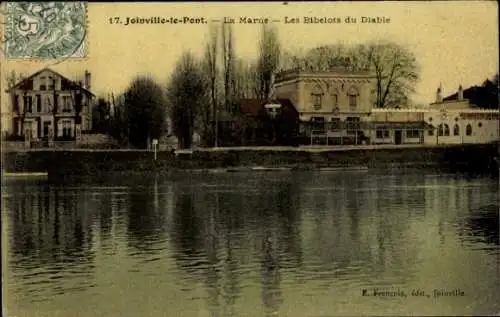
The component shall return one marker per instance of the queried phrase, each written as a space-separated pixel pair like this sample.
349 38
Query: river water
252 244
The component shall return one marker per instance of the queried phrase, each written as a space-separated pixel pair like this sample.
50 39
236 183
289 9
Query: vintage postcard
249 159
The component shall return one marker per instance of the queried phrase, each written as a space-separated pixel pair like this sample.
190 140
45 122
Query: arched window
468 130
316 97
456 130
446 130
443 130
440 130
353 97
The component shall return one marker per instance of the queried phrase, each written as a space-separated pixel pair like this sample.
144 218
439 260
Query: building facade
49 106
336 108
442 122
333 106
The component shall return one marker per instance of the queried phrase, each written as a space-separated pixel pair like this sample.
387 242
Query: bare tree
246 79
228 67
396 72
394 66
212 71
269 60
12 79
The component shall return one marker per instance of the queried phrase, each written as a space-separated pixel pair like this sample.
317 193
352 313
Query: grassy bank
474 158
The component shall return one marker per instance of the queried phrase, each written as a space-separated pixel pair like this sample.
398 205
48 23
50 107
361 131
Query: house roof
478 97
403 125
55 73
256 107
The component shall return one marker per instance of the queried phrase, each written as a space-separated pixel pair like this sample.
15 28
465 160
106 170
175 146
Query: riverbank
476 158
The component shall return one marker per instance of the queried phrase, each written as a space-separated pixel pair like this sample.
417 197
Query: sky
455 42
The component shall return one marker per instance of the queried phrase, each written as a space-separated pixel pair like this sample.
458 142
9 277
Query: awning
417 125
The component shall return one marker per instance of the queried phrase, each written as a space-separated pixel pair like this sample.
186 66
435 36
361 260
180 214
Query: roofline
50 70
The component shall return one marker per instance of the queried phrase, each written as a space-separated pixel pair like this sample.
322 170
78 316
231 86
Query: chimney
87 80
460 93
439 95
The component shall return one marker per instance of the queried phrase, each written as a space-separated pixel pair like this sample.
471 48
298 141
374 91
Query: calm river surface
252 244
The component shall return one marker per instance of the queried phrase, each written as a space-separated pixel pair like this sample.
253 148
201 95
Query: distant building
336 108
49 106
274 122
445 121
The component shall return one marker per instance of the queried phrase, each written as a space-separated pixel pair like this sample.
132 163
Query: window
382 134
16 103
66 128
413 134
353 97
318 124
446 130
431 132
468 130
66 106
443 130
43 87
353 124
28 104
51 83
353 102
456 130
316 101
335 124
479 124
38 103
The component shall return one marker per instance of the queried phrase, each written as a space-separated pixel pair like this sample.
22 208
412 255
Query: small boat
270 169
344 169
25 175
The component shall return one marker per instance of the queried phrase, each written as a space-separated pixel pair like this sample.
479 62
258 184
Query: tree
490 93
144 111
12 79
228 67
394 67
268 61
212 72
396 72
101 116
187 93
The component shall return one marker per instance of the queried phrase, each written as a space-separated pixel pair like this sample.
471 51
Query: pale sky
454 42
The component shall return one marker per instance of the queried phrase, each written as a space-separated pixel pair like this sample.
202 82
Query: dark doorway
397 137
46 126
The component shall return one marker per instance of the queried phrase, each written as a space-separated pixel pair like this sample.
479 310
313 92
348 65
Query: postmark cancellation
45 30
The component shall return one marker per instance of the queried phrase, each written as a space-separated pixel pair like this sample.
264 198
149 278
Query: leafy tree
187 95
101 116
143 111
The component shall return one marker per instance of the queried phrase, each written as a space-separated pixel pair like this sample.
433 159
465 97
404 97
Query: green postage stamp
45 30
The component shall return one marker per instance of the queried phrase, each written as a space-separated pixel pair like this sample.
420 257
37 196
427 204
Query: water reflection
51 238
249 244
482 225
146 221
